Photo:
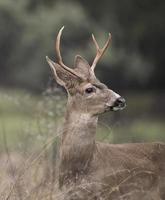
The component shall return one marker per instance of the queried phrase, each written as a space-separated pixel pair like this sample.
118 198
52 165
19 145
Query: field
30 126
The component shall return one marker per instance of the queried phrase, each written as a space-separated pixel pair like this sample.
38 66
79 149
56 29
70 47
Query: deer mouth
112 108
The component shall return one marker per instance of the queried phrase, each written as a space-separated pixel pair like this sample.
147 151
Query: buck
95 170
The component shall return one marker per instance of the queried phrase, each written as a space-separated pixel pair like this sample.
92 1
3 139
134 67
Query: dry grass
28 167
28 176
29 170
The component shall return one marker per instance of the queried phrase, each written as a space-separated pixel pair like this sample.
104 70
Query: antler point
110 35
47 58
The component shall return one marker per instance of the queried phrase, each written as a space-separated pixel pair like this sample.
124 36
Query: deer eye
89 90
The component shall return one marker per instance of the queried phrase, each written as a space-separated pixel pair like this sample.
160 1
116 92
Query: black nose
120 102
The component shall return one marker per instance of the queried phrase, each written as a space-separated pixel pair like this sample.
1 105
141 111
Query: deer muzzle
119 104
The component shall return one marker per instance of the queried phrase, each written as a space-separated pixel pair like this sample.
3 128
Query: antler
59 57
100 51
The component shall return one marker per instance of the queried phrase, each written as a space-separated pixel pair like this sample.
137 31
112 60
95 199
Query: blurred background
31 103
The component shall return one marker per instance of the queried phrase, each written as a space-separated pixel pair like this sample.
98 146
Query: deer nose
120 102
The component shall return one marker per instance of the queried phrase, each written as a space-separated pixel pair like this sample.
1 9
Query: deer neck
77 144
79 130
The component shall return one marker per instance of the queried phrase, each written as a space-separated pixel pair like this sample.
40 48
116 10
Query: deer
89 169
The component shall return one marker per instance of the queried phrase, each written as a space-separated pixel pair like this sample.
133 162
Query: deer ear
82 66
62 76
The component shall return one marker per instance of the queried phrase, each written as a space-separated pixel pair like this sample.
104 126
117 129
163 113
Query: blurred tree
28 28
139 28
34 4
27 37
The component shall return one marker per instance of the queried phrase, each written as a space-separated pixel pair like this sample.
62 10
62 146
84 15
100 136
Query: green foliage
28 29
30 37
27 121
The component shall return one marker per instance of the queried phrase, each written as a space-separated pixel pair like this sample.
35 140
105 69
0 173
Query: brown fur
92 170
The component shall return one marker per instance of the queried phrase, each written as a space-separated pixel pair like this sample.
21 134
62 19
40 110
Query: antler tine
100 51
57 47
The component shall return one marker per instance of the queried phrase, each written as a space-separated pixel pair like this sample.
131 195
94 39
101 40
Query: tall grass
30 127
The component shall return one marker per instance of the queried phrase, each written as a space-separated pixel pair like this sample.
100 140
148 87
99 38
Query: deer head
86 94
